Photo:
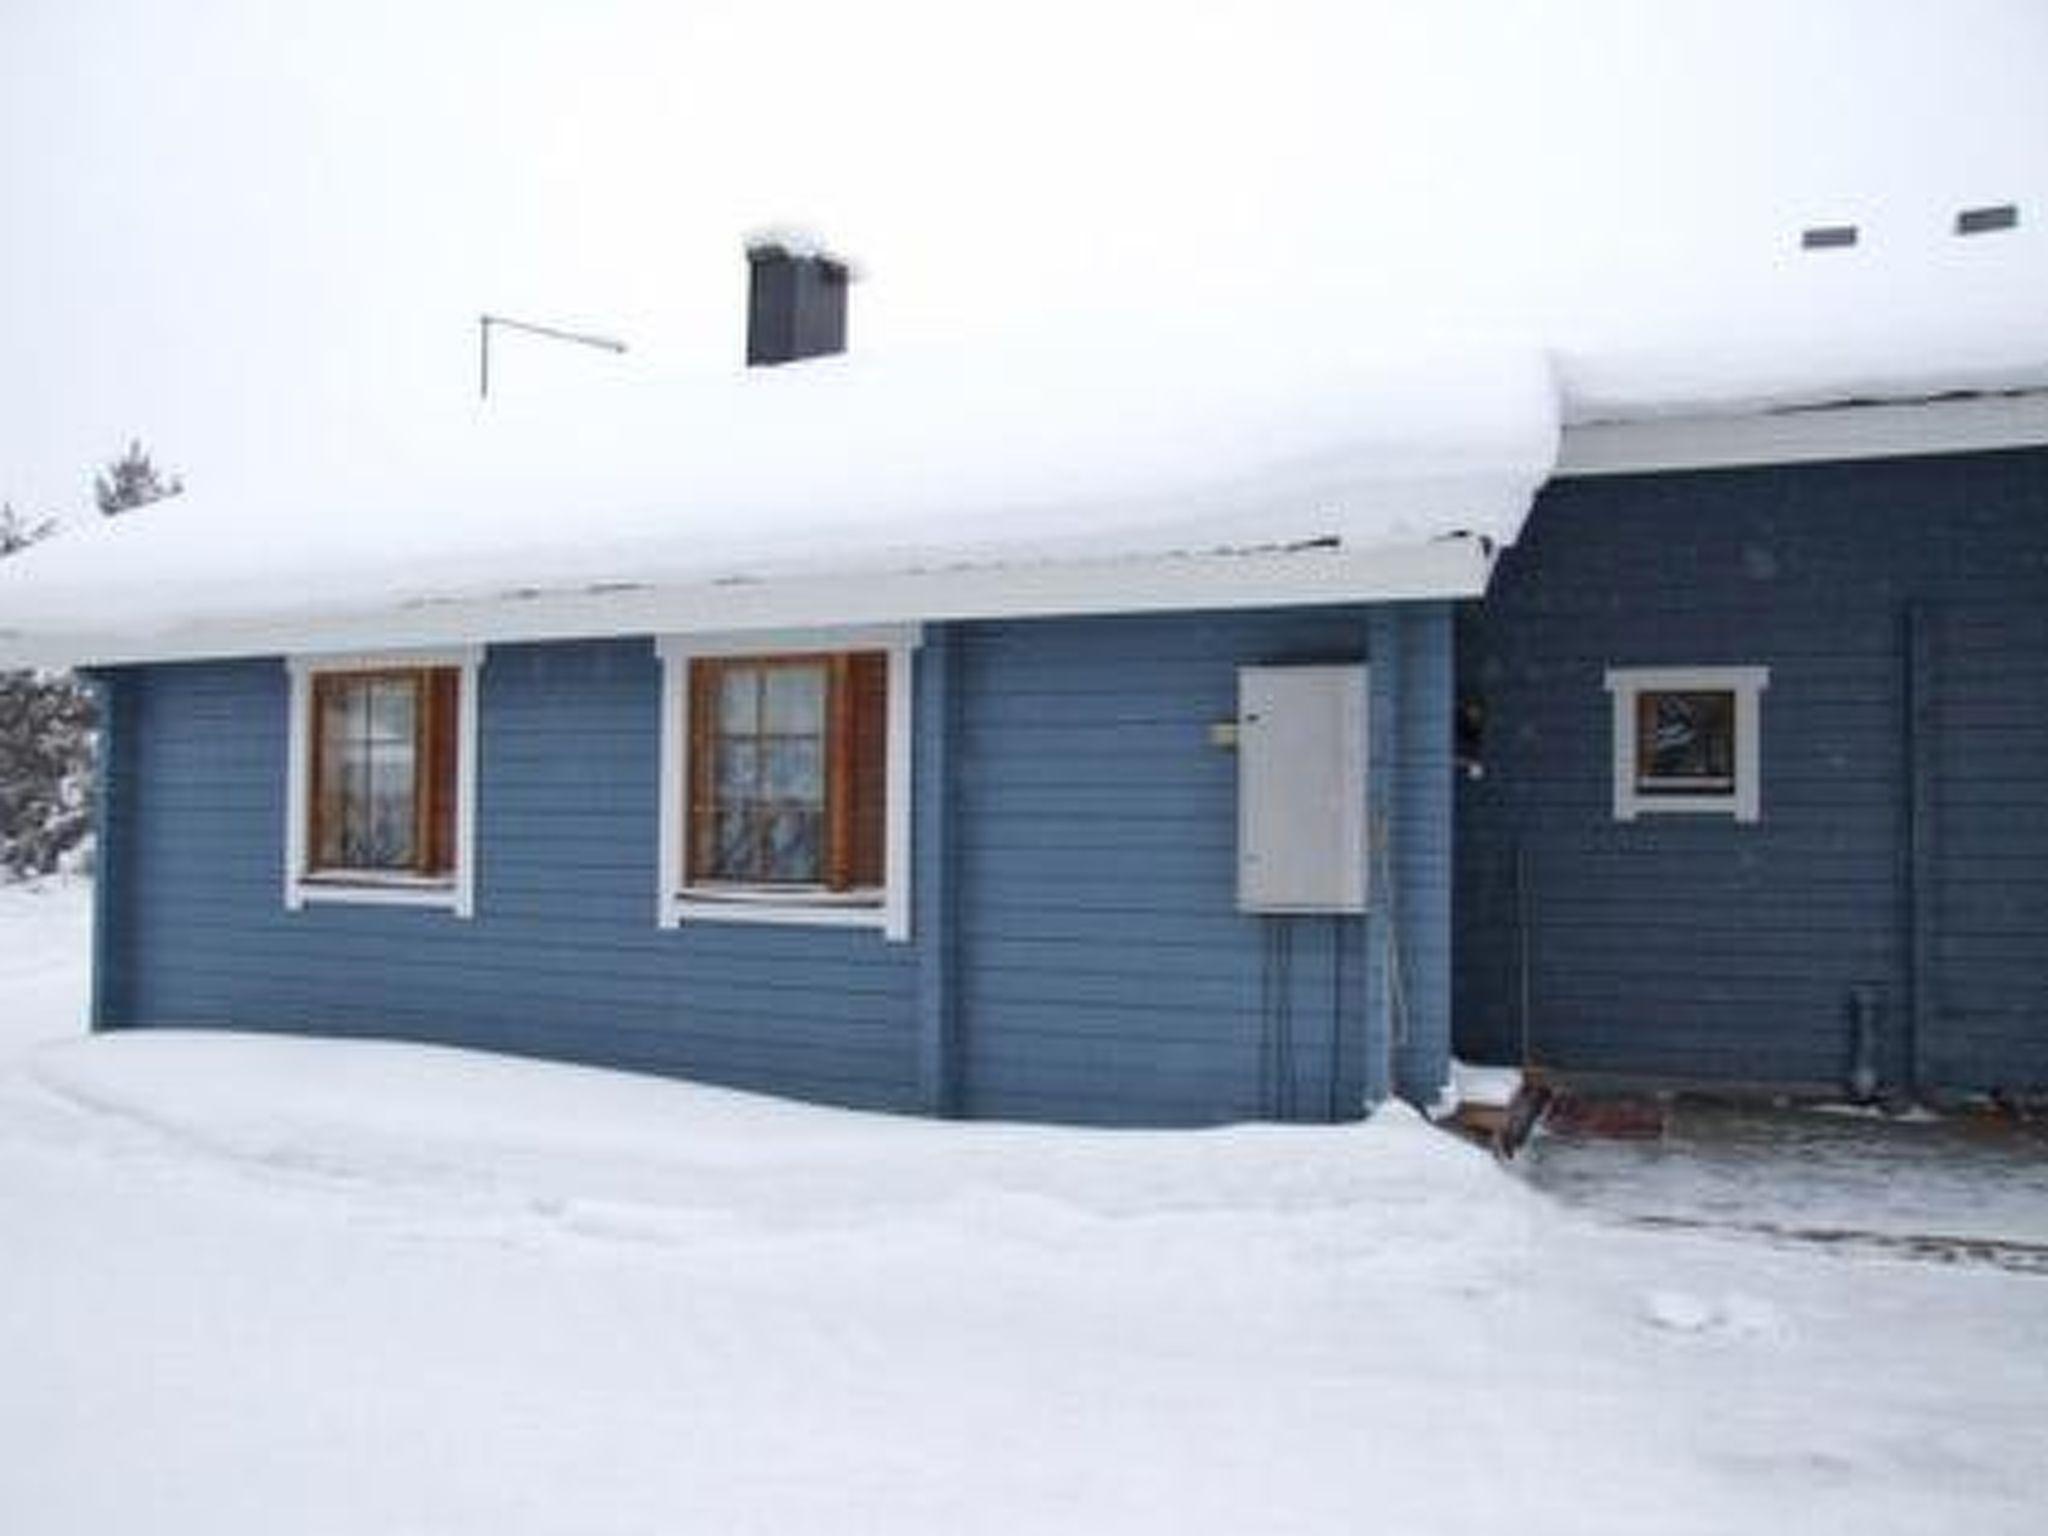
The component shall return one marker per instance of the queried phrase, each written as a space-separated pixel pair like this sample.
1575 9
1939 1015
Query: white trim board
1745 802
1972 424
457 894
1452 567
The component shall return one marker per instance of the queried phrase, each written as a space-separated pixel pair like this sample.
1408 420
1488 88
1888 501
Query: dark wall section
1903 846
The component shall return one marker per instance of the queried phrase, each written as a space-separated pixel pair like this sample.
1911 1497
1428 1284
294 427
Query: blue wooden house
1227 798
1142 823
1756 724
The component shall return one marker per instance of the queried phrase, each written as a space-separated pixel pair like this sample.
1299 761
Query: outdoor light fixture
485 322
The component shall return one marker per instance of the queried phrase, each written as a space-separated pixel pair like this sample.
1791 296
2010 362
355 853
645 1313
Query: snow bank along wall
1901 606
1077 952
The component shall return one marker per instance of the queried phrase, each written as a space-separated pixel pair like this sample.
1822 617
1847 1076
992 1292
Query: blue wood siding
1077 952
1988 949
1699 948
1418 854
1105 971
562 959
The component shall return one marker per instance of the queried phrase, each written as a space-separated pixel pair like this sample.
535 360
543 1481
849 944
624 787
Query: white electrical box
1301 810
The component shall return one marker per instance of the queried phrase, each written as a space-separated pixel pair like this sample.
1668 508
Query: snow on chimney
796 298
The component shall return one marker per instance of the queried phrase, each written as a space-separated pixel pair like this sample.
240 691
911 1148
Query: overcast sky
243 229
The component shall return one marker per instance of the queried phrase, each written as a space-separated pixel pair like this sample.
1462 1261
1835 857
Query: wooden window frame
444 795
682 899
1742 800
436 702
840 803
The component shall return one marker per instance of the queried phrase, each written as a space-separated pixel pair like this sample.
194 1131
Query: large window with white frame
786 778
1688 740
380 806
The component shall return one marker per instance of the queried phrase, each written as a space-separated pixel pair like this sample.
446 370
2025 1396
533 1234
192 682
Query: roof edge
1807 434
1455 566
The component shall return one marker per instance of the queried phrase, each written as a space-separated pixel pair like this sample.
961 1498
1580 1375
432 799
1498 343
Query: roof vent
1828 237
1984 221
796 299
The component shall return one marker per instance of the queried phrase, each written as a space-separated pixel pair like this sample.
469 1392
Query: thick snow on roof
1946 315
833 468
1623 185
636 499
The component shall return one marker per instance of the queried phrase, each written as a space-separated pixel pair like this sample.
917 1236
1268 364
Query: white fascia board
809 641
466 657
1457 566
1974 424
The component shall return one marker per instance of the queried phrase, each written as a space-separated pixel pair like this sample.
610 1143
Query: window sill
1636 807
377 891
823 909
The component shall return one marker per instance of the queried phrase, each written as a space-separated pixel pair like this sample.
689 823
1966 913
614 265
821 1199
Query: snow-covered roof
1625 184
1821 335
1179 473
1213 465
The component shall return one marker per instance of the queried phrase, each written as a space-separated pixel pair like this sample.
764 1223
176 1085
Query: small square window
1686 740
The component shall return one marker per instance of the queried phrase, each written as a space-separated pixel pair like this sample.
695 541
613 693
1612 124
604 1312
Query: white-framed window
1687 740
785 778
380 799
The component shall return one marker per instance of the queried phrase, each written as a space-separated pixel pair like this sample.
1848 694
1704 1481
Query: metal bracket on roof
485 322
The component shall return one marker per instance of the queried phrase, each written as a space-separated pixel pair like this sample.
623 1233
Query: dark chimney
796 302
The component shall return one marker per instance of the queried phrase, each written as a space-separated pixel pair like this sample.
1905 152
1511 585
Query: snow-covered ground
256 1285
45 934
